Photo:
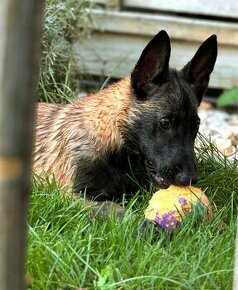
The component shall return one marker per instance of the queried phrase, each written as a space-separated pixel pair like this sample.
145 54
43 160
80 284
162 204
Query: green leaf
229 97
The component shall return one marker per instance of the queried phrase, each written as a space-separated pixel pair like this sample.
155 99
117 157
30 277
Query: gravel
222 129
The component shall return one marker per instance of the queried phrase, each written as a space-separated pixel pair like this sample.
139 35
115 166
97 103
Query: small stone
222 129
205 105
230 151
222 144
234 139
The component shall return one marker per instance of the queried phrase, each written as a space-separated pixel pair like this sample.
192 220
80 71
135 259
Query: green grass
67 249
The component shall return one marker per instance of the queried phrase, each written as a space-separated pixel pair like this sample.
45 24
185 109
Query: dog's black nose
185 179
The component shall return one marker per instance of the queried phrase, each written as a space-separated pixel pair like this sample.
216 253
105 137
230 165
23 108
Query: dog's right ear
152 66
197 72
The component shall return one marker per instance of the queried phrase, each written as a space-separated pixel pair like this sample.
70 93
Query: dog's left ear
197 71
152 67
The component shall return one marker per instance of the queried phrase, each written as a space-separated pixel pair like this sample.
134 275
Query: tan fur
91 126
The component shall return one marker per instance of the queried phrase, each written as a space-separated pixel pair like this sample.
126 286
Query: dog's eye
165 124
150 163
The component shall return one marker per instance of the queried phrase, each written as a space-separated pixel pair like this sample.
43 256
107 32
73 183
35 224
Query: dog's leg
104 209
101 209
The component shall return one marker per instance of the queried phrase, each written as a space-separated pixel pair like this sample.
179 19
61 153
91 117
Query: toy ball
172 207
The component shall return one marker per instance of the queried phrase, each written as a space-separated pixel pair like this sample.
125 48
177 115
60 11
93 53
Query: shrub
65 21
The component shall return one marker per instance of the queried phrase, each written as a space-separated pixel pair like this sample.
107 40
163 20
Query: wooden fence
121 29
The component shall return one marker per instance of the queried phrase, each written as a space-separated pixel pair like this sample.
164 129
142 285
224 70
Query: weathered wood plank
109 4
178 27
203 7
103 2
20 22
116 54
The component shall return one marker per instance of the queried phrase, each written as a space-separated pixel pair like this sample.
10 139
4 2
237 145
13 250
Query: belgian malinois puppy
144 125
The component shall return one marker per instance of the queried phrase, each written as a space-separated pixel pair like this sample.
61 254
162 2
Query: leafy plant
65 21
228 97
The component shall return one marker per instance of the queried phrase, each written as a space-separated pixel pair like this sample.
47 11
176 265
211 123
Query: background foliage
228 97
65 21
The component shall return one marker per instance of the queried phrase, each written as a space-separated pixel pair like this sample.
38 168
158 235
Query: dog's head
167 101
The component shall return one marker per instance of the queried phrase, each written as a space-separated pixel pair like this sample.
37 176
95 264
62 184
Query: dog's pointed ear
197 71
152 66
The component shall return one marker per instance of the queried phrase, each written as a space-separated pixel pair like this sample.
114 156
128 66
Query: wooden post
20 30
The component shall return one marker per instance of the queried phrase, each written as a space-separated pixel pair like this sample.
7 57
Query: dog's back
48 147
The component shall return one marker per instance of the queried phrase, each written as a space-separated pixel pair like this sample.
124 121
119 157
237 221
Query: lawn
68 249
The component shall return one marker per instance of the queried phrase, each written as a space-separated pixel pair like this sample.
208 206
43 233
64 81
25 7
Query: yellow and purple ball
171 208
